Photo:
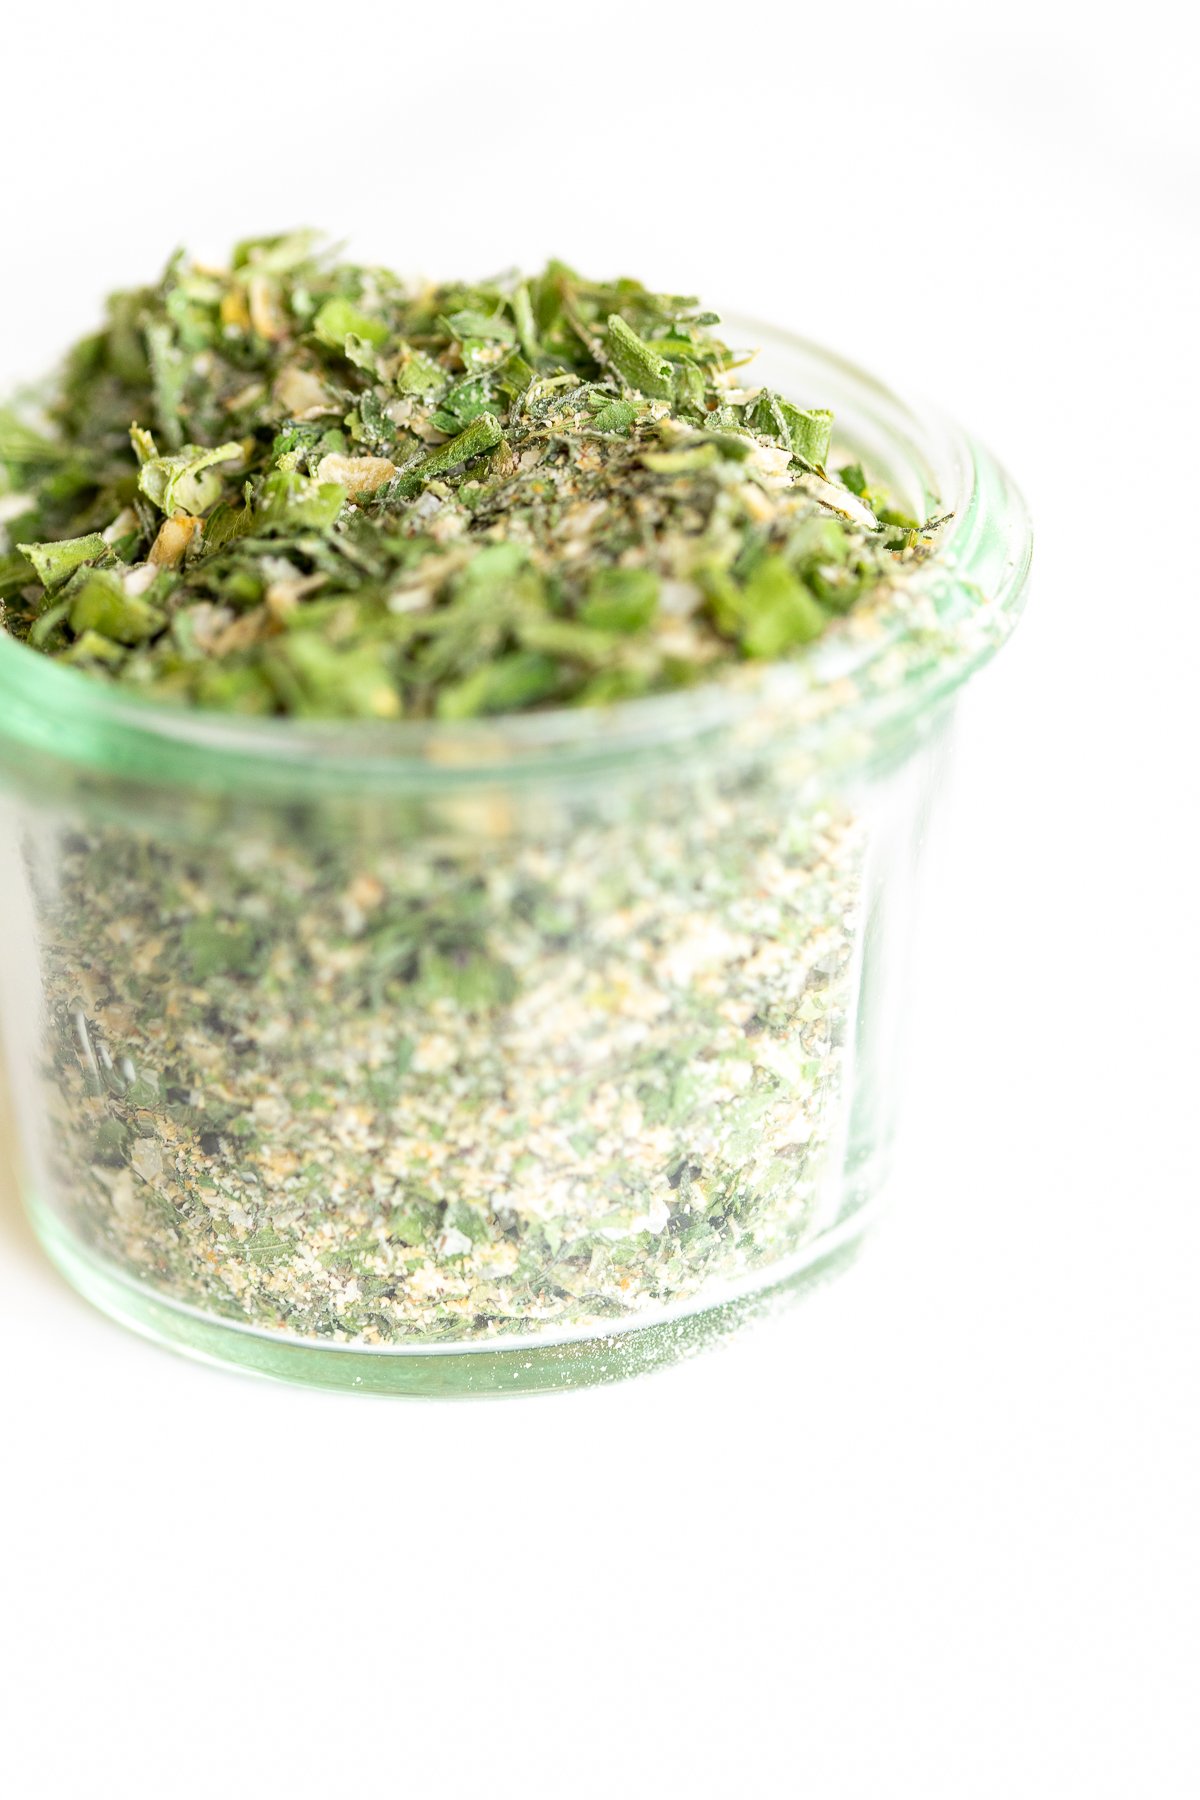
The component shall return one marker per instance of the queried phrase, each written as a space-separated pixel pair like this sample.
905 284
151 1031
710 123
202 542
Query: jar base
516 1366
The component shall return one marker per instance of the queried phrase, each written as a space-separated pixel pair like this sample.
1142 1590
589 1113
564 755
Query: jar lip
980 564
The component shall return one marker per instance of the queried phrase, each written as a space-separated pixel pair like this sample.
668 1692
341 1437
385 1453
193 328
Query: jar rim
978 573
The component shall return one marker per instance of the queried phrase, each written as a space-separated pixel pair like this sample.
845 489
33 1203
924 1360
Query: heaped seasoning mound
302 486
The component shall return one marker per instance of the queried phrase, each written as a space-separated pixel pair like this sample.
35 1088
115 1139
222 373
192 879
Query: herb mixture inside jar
301 487
538 1068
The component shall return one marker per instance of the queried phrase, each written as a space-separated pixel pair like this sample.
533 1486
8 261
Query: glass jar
490 1056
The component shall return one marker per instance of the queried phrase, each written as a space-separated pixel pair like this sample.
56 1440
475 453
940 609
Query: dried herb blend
503 1063
453 1091
300 486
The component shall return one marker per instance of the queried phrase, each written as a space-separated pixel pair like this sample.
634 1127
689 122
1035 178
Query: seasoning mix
526 1055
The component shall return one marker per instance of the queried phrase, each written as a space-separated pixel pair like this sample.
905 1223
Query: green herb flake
615 416
809 431
621 599
340 319
102 605
187 481
777 612
56 561
483 433
638 363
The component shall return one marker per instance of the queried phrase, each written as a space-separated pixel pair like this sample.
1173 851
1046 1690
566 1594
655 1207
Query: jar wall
518 1065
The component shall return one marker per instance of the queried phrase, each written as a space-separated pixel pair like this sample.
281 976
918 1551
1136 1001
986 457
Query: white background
934 1533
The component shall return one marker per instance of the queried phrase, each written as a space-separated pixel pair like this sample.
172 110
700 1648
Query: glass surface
504 1055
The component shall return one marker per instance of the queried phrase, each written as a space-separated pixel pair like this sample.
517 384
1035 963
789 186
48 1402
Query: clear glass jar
496 1056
